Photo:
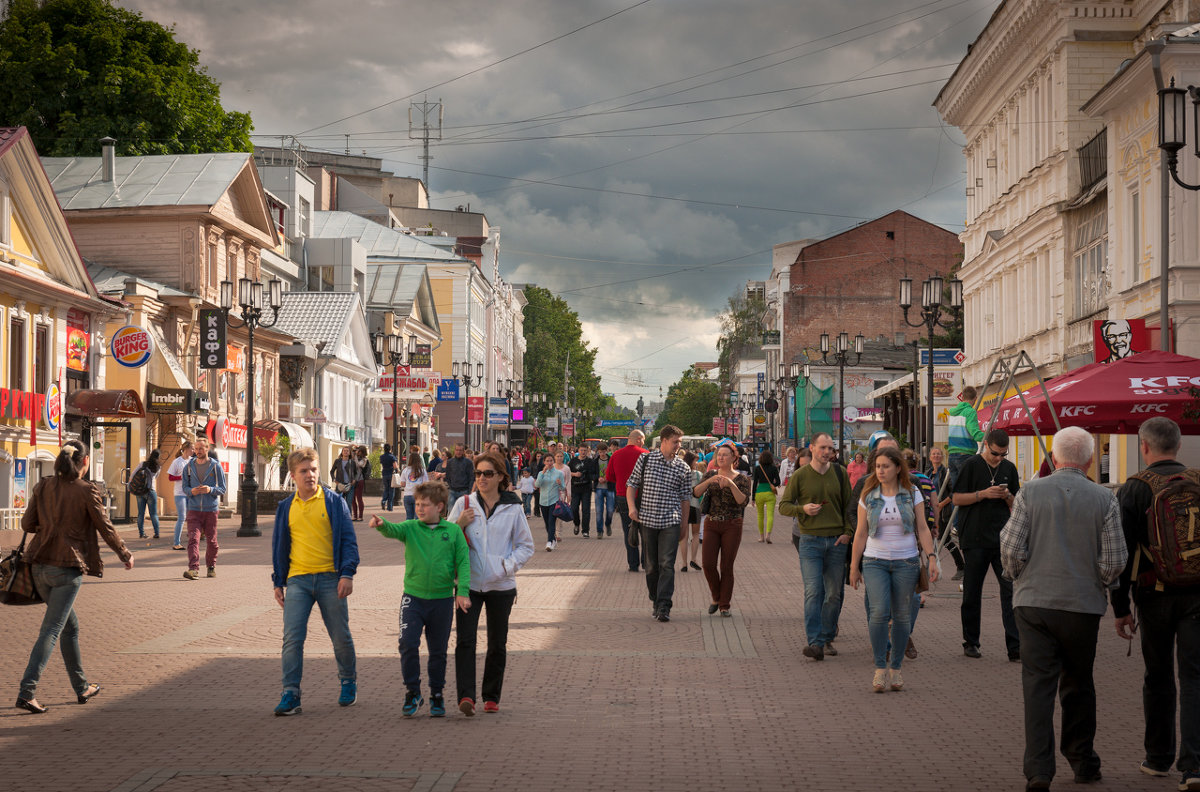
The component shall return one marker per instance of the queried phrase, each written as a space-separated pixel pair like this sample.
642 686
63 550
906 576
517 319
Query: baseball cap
875 438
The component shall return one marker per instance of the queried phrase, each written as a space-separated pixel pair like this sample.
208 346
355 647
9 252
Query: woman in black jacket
766 479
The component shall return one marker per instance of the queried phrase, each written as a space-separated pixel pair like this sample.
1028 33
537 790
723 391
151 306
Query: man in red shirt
620 465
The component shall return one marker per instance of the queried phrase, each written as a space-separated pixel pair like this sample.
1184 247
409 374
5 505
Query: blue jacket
345 543
873 500
209 501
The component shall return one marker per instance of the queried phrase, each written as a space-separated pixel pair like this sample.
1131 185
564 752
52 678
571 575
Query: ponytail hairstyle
70 460
152 461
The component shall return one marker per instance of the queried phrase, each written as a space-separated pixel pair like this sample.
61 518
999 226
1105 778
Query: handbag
923 579
16 579
397 481
561 511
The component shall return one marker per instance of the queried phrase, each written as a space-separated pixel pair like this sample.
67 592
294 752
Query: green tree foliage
741 332
554 344
74 71
691 404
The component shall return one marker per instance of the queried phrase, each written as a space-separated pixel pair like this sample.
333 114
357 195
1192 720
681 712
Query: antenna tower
425 132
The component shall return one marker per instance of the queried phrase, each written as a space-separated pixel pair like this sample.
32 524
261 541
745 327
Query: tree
691 404
554 345
741 332
74 71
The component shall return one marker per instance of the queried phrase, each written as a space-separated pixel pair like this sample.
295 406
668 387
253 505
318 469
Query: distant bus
697 443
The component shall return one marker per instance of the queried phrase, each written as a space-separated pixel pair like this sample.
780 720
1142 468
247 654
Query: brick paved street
598 696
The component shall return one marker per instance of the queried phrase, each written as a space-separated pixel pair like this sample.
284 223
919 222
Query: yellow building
51 321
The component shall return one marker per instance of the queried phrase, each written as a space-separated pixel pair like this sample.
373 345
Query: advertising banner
447 390
475 410
422 358
497 412
1114 339
131 346
167 400
718 425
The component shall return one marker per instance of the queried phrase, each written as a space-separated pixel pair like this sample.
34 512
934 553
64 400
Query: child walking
437 578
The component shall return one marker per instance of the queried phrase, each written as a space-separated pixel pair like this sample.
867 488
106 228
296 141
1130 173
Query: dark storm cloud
717 165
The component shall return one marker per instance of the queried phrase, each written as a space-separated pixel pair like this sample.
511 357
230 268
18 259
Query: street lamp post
389 348
931 315
511 388
250 301
462 373
842 357
1172 136
789 378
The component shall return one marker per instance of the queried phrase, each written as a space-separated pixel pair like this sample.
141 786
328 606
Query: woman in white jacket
497 532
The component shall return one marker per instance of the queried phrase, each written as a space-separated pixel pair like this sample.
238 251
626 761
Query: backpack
1173 527
138 485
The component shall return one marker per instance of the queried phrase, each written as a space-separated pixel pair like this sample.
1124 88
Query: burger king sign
131 346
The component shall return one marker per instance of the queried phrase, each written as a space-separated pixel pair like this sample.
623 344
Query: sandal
91 691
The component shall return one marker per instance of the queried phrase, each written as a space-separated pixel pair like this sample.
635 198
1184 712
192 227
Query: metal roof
110 280
169 180
316 317
379 240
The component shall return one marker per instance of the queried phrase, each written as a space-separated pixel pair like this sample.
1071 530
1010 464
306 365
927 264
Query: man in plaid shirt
659 491
1062 547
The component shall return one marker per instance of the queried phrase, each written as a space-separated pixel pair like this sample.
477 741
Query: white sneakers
550 546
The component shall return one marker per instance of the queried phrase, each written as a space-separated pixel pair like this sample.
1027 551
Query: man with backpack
1158 508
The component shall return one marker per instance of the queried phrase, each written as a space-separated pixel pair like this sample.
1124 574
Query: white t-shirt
890 543
410 482
176 470
526 485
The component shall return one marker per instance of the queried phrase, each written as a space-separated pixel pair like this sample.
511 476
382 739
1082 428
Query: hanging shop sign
132 346
212 338
52 409
475 410
315 415
448 390
77 349
168 400
422 358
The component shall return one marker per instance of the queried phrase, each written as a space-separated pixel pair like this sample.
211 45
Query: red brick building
850 281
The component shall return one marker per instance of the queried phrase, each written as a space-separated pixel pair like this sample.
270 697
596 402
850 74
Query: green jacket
832 490
434 555
964 431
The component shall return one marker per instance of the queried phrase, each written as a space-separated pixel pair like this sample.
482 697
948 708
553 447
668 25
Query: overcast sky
641 157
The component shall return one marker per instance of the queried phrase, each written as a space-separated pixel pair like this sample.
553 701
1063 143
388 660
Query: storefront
106 419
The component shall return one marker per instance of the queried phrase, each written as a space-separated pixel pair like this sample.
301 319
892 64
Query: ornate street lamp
389 349
931 315
462 373
1172 136
842 358
790 375
250 302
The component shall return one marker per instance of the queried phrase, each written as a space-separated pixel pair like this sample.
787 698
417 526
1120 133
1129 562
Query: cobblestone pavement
598 695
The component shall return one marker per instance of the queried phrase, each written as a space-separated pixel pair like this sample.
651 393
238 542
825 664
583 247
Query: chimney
109 158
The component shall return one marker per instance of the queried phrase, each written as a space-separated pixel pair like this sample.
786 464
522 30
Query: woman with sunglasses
500 543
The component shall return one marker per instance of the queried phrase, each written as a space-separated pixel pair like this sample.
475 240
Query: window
16 354
302 219
1135 235
41 359
1090 260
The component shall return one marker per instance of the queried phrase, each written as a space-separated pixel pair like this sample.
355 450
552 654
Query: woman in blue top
551 484
893 513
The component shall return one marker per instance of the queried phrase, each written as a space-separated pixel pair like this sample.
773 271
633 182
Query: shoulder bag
16 578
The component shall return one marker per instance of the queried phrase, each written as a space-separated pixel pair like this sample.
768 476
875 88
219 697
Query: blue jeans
147 501
955 462
58 586
660 546
890 588
389 492
180 518
348 496
606 501
410 507
454 496
526 500
303 591
823 567
434 617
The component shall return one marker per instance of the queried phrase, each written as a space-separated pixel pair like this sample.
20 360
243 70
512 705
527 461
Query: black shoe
30 707
712 609
1014 657
663 616
1088 777
608 530
586 535
1037 782
694 565
814 651
972 651
89 692
683 568
577 530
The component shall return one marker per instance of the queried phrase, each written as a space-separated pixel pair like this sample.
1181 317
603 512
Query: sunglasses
485 473
994 452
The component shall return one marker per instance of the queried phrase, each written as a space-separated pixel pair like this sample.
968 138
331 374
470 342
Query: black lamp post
789 378
842 357
389 347
1172 136
931 314
462 373
250 302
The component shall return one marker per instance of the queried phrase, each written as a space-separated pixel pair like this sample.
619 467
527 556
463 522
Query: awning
298 435
903 383
108 403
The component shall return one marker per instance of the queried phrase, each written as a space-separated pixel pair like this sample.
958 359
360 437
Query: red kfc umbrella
1108 398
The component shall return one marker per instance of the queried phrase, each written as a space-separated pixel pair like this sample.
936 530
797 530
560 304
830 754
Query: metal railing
10 519
1093 161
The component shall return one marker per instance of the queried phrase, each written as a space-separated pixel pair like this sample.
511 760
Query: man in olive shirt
818 495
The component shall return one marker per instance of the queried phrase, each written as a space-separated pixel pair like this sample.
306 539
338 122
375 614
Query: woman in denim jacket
893 513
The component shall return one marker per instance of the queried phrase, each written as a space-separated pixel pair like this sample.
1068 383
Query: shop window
41 358
16 354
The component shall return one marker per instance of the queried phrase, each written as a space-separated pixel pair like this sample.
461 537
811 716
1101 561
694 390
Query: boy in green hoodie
964 433
435 555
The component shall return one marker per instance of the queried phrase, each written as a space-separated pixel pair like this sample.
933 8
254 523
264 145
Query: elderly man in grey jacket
1062 547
